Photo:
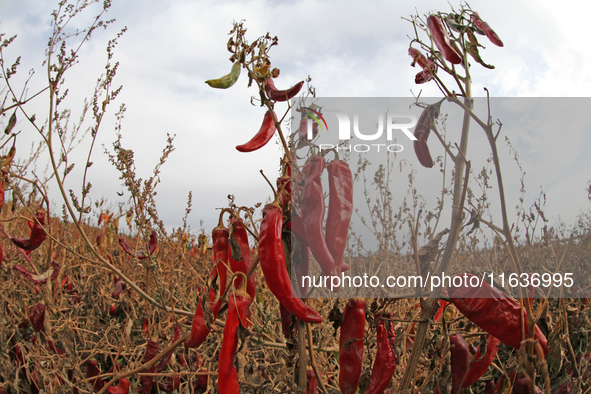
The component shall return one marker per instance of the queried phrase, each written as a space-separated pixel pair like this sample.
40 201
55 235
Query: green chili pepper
227 80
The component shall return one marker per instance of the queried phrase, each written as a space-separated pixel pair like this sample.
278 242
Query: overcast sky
349 48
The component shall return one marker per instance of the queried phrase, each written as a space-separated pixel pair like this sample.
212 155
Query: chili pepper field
402 259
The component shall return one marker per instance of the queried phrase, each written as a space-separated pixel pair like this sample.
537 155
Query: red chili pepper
272 260
286 320
340 210
174 383
490 33
241 237
152 242
36 237
489 387
93 370
429 68
439 313
72 379
219 237
442 40
418 58
422 131
282 95
494 312
121 388
118 287
386 358
312 382
520 384
312 212
145 328
55 349
351 346
148 381
52 274
166 359
200 382
37 317
263 136
102 216
460 361
152 245
238 304
426 75
481 363
199 329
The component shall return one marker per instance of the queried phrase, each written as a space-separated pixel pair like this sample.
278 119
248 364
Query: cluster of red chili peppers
299 209
448 50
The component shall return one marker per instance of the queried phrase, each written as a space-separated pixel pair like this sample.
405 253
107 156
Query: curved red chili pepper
439 313
36 236
241 237
426 75
312 212
148 381
38 279
118 287
490 33
219 237
37 317
442 40
286 320
199 329
93 370
481 363
152 245
418 58
422 131
238 304
429 68
272 260
282 95
166 359
385 363
263 136
494 312
121 388
340 210
460 361
152 242
174 383
351 346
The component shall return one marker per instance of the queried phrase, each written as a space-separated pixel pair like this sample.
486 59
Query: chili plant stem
303 361
431 305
